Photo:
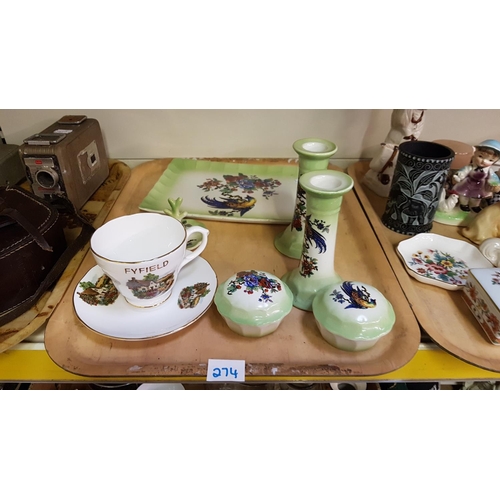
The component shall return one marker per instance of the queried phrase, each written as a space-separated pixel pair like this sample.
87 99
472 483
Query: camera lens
46 178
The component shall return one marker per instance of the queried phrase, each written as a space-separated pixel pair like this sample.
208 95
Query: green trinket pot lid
354 310
254 298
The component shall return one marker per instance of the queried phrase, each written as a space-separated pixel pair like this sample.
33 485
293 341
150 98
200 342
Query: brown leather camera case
31 242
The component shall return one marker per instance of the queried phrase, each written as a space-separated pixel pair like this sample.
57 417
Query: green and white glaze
226 191
176 212
325 191
454 217
314 155
352 316
253 303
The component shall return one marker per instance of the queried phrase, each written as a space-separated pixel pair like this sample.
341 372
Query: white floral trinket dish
440 261
253 303
482 296
352 316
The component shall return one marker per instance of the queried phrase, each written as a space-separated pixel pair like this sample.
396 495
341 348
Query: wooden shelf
428 364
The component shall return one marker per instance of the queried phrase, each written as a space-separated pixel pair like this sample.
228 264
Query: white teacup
143 254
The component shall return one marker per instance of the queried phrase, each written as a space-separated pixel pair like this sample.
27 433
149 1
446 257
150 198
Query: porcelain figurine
471 187
485 225
448 211
406 125
477 181
447 203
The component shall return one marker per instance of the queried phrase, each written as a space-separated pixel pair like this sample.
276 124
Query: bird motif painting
359 298
312 235
233 203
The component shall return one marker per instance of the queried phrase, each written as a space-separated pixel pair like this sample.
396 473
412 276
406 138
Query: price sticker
226 370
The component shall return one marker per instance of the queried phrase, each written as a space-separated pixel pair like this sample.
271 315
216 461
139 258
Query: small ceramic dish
352 316
440 261
253 303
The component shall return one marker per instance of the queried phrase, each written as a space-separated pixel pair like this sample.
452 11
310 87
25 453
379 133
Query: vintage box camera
67 159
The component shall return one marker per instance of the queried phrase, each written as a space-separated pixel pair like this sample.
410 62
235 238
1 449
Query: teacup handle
192 254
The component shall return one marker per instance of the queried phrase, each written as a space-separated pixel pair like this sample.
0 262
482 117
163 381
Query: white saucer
120 320
440 261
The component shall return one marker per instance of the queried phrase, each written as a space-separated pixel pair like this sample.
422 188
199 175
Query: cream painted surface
145 134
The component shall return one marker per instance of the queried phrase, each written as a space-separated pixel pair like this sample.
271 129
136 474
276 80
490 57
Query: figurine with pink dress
472 187
476 182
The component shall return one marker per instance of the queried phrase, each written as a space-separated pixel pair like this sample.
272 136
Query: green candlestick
325 191
314 155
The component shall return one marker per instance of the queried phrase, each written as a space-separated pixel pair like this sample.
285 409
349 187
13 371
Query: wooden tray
443 314
95 211
296 349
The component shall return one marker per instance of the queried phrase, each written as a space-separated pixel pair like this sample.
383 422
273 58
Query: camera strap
11 215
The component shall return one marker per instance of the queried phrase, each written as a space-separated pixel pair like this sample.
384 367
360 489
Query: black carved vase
419 177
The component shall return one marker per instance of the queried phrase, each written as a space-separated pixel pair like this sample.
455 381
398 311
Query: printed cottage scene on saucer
101 308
